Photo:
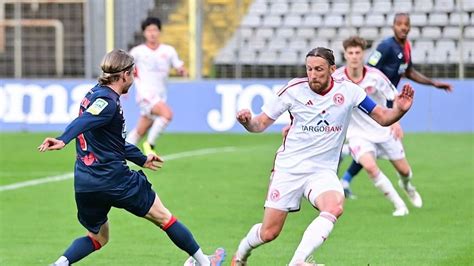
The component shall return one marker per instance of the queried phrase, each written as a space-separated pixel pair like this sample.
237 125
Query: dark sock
80 248
353 170
181 236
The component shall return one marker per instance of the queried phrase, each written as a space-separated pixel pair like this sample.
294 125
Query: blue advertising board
210 105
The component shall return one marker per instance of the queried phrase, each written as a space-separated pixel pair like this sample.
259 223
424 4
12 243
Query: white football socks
201 258
314 236
382 182
158 126
251 241
62 261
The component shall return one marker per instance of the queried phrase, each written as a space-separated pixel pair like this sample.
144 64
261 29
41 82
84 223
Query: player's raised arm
403 101
254 124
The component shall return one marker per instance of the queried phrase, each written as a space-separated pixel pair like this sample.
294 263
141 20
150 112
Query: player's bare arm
254 124
388 116
50 144
414 75
153 162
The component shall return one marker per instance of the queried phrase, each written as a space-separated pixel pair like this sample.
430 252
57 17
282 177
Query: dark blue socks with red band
181 236
80 248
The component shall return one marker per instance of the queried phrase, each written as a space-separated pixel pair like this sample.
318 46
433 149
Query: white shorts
286 190
391 149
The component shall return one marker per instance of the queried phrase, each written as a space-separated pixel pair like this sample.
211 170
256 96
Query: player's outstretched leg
84 246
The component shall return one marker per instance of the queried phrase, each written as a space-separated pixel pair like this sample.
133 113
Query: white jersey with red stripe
153 66
379 88
318 124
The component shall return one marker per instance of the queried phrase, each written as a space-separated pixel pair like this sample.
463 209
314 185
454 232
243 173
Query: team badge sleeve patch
97 106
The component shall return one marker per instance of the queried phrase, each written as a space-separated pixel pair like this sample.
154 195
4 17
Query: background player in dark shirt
102 178
393 58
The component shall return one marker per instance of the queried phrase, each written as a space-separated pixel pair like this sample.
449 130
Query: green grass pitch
220 196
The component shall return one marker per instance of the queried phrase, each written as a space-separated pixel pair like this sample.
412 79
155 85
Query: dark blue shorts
137 197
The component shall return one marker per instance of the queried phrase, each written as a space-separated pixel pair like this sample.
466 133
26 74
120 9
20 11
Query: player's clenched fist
244 116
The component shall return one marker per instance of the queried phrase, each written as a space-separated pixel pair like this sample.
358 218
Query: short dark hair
354 41
323 52
400 14
151 21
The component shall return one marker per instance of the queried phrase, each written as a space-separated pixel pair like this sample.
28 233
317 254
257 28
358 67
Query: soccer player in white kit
305 165
368 140
153 61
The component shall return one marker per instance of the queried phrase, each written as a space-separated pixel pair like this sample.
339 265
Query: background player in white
306 162
153 61
367 139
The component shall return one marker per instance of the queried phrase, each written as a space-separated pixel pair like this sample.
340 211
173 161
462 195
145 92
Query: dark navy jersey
392 59
100 143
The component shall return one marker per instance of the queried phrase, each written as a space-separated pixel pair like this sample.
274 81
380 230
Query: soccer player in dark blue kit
393 58
102 178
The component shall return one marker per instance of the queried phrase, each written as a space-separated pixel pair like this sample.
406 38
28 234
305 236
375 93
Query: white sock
251 241
158 126
382 182
314 236
62 261
201 258
133 137
345 184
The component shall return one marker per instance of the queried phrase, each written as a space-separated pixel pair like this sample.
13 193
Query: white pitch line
169 157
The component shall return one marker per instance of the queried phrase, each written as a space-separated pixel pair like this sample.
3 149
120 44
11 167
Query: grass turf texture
220 196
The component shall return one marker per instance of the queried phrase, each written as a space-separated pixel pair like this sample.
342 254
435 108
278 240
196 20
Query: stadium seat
225 57
414 33
313 43
382 7
355 20
444 5
246 57
346 32
267 57
326 33
387 31
300 45
438 19
272 21
319 7
305 32
299 8
251 20
455 19
469 32
257 44
258 8
453 57
266 33
279 8
333 20
288 57
285 32
451 32
340 7
277 44
292 20
402 6
418 19
423 6
361 7
468 5
369 33
312 20
431 32
245 33
375 20
418 57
